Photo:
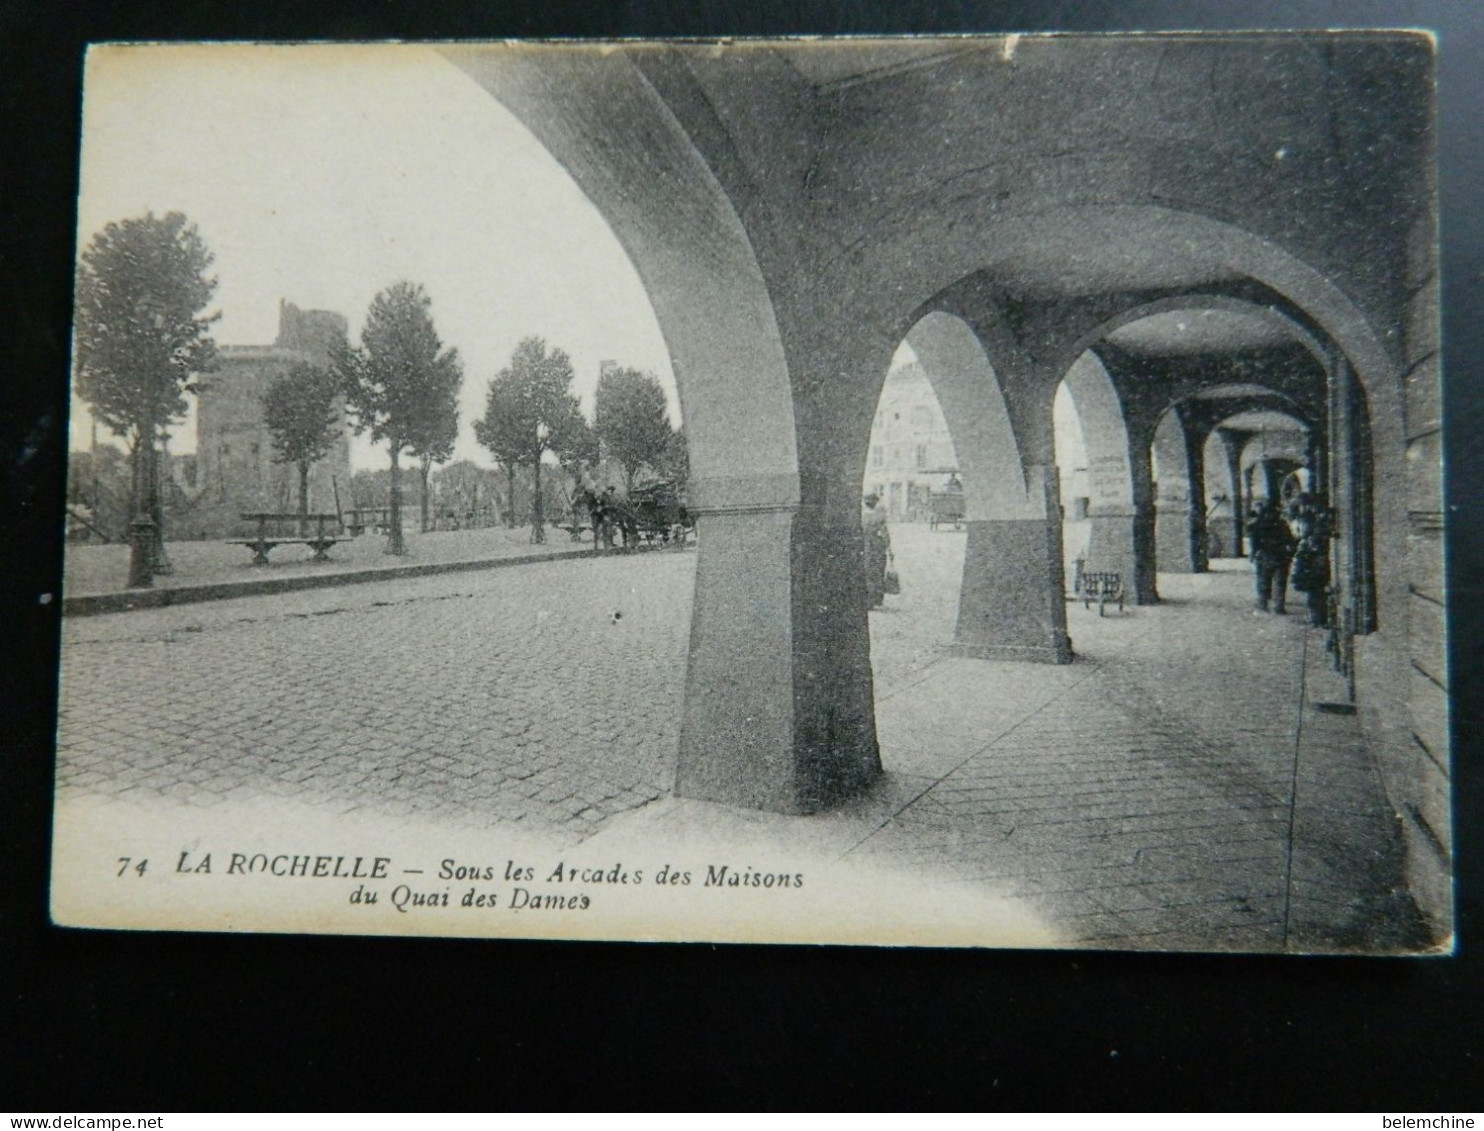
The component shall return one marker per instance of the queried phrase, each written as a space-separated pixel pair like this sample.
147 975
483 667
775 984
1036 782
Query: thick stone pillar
1224 531
1012 602
1112 542
778 708
1138 528
1228 528
1173 536
835 750
1179 509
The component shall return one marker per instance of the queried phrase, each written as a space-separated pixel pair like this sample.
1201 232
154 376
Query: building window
878 455
922 456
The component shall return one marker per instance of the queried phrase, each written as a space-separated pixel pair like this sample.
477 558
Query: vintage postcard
931 491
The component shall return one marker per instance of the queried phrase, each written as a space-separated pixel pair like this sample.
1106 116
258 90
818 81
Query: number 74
126 862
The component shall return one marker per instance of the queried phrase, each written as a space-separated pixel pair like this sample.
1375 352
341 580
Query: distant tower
235 471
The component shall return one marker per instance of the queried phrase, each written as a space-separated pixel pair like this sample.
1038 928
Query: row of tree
141 334
531 412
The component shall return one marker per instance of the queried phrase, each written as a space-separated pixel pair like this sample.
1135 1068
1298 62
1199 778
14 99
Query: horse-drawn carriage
653 513
656 512
946 504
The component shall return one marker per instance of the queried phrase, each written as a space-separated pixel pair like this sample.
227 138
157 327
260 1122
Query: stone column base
1176 549
1121 543
1224 542
1011 605
1060 653
778 708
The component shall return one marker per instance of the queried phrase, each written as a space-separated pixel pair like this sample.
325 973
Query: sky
322 175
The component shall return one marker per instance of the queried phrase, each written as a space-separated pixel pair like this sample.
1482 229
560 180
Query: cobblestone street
545 694
1142 796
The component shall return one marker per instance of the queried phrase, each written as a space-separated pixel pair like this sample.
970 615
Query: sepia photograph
964 491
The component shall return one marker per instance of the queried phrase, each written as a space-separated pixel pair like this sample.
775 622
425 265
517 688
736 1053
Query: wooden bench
1102 588
360 519
266 539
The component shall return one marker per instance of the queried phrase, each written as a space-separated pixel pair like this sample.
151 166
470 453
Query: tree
396 380
631 421
436 430
530 410
675 462
140 334
299 410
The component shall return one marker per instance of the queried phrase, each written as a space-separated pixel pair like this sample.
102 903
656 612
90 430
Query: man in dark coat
1272 545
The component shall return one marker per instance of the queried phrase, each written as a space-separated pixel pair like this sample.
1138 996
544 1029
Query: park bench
576 531
360 519
273 531
1103 588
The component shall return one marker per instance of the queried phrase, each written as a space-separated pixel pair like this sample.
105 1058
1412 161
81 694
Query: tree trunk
394 516
141 551
510 494
425 466
157 510
538 519
303 498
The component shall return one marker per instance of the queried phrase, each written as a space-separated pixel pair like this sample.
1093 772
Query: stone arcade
1188 232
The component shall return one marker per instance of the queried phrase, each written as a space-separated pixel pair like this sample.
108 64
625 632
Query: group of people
604 513
1290 546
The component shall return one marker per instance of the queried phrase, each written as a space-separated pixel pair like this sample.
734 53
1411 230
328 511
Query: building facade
911 451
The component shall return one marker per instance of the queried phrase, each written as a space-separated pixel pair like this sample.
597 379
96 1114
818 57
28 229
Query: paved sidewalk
92 570
1172 789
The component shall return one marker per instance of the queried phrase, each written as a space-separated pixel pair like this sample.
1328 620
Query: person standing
1272 544
876 550
1310 573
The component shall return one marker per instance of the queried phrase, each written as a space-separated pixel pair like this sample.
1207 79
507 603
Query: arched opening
741 739
1179 528
1105 517
1273 463
913 506
944 464
1224 495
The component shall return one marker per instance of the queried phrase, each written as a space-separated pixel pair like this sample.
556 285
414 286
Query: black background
105 1021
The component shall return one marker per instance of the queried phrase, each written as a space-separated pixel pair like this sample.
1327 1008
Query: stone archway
764 726
1119 509
780 289
999 616
1179 493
